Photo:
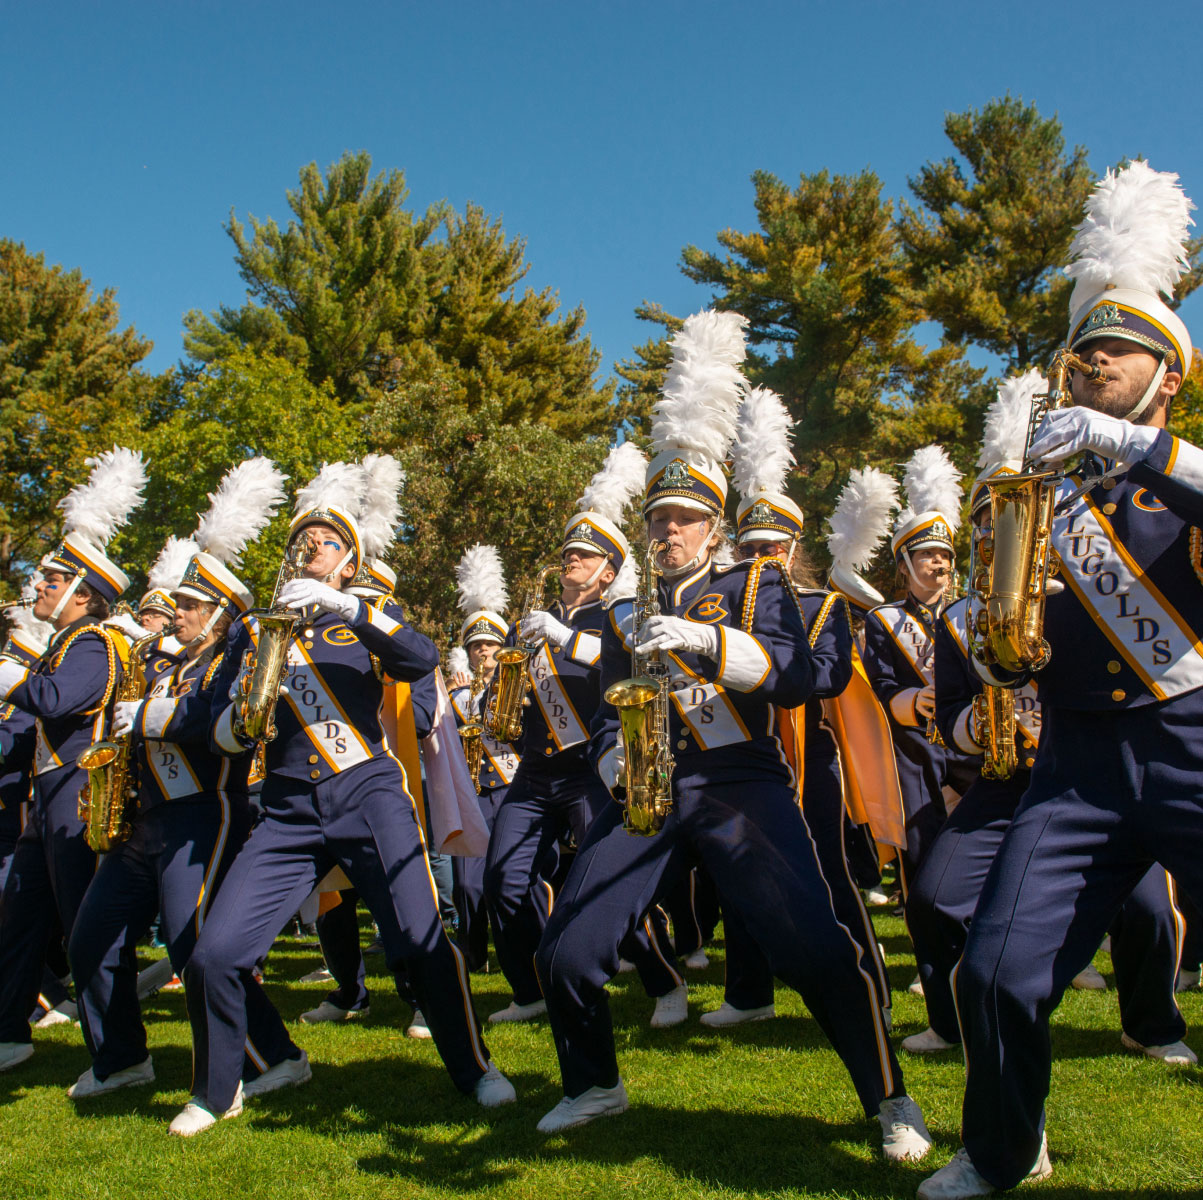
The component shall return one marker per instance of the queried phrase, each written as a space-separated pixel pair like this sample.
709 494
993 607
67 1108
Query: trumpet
256 715
503 718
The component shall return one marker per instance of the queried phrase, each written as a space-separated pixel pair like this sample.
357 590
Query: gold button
308 645
549 751
315 774
555 649
682 745
312 759
1108 508
1108 484
1118 695
1113 667
1029 762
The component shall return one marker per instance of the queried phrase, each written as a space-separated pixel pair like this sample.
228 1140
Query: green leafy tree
362 293
67 374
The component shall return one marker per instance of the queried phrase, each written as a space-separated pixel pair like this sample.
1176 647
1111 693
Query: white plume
1005 436
616 484
761 455
245 501
625 583
457 662
23 618
338 484
724 556
1133 236
171 564
861 519
381 512
97 509
932 482
702 388
480 580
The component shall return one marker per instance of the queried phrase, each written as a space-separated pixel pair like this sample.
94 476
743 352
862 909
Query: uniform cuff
12 675
902 708
585 648
156 716
961 736
743 664
223 733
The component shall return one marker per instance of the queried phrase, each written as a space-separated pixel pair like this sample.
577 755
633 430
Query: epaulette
755 570
833 598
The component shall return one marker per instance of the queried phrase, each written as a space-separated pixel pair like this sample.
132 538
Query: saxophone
105 801
503 718
471 732
255 719
994 715
1012 566
642 703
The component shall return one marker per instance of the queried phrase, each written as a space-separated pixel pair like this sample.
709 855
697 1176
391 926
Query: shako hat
761 458
481 595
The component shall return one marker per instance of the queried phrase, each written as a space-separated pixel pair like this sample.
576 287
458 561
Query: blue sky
608 135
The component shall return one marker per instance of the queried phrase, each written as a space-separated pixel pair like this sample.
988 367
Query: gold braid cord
114 657
821 619
752 588
1196 551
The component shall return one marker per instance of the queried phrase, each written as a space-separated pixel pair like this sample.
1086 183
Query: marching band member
192 807
899 643
482 597
1115 785
67 692
1144 939
769 524
737 648
333 795
555 790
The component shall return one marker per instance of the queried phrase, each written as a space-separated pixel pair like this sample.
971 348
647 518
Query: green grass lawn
763 1111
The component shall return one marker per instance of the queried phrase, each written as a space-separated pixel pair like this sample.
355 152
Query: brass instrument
642 703
471 732
1012 565
104 802
255 719
503 718
994 715
18 605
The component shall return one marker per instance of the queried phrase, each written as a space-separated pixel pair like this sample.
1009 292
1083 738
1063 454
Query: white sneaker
493 1089
904 1135
64 1014
321 975
518 1012
12 1053
158 975
876 898
290 1072
960 1178
697 961
331 1012
916 986
418 1028
596 1102
728 1014
1177 1054
1089 980
1187 980
887 1017
927 1042
195 1118
671 1009
624 967
88 1085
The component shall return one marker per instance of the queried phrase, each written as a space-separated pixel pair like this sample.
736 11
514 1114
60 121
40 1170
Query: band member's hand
125 716
675 633
925 701
1070 431
461 679
301 593
541 625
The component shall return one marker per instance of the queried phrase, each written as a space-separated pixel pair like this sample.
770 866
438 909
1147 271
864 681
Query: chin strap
605 562
789 557
342 562
208 629
1141 406
67 594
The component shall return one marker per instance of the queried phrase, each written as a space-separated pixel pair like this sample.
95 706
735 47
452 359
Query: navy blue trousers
530 821
364 821
940 906
1111 794
750 837
469 891
172 864
749 978
693 907
50 870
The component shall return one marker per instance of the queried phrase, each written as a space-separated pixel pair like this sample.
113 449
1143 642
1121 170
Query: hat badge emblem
1101 317
761 513
676 472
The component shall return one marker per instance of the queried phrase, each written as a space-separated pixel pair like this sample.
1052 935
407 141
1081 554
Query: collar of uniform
568 613
58 636
926 613
682 591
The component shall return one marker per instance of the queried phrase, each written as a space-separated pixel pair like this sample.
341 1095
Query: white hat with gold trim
334 497
933 511
379 515
761 458
481 595
597 527
1129 251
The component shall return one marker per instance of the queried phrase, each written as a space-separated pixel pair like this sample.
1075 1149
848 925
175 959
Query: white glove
675 633
541 625
125 716
1069 431
301 593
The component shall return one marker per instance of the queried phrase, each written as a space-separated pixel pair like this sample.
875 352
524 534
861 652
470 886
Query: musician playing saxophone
333 796
738 648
